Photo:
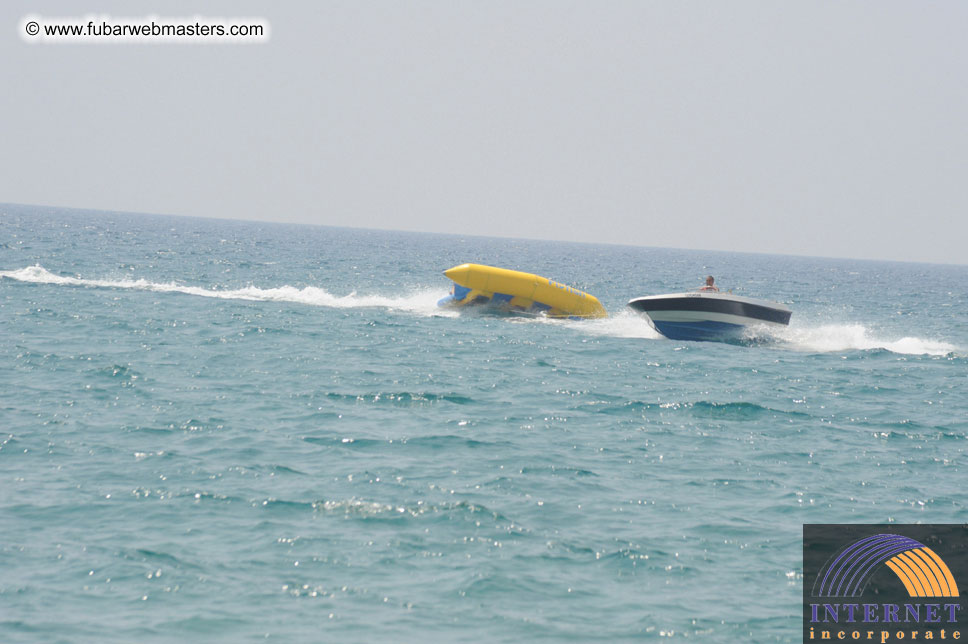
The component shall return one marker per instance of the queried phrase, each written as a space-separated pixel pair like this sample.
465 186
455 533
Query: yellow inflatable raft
517 291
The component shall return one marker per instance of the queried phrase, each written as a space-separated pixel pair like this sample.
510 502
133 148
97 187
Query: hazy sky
815 128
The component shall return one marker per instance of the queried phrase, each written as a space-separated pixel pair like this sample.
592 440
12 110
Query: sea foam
833 338
421 301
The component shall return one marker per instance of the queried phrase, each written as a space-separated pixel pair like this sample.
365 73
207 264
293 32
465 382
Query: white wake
830 338
422 302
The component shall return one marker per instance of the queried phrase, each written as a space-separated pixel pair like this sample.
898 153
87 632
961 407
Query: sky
823 128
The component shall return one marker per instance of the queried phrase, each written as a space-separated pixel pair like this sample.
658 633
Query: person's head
709 280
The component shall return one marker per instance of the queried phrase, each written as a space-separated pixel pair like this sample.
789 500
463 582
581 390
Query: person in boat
710 285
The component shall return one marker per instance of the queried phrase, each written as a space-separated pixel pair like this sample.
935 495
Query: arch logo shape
919 568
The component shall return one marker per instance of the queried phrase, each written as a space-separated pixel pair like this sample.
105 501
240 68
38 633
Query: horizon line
430 232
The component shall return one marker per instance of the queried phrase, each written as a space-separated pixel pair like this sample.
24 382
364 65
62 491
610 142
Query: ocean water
236 432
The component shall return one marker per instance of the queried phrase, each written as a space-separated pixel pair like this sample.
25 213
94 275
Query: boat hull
708 316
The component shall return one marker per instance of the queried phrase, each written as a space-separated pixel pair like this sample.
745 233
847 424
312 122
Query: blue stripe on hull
706 330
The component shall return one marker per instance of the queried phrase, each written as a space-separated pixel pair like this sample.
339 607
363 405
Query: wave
404 398
624 324
826 338
422 302
830 338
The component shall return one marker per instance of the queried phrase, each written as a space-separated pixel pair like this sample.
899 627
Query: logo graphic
884 583
919 568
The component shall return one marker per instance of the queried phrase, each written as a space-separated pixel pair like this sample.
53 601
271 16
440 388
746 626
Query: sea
228 431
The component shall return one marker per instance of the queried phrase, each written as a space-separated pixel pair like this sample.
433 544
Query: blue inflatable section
459 293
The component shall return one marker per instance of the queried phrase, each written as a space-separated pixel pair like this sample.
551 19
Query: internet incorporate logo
909 590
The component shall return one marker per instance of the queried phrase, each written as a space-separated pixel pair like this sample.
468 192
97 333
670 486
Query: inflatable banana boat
519 292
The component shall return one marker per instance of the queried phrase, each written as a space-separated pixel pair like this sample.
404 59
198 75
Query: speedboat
708 315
